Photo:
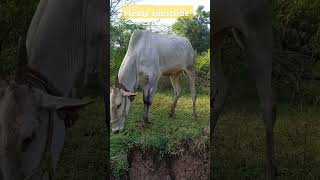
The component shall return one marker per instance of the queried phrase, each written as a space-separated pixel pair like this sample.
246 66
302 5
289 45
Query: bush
15 18
115 62
202 64
297 25
297 36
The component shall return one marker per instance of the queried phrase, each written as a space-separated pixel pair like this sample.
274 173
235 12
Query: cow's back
164 53
244 13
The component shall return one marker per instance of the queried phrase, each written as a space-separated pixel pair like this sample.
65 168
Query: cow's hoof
144 124
171 115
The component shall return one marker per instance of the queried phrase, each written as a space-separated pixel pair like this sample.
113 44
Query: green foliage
297 33
85 149
121 31
298 25
164 133
7 62
202 64
15 18
195 29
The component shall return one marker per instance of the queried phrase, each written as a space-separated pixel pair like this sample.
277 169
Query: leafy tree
298 25
121 31
195 29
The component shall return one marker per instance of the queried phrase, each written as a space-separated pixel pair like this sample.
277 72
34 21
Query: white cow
149 56
64 37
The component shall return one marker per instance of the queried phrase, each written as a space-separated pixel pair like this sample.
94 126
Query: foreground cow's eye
27 141
118 106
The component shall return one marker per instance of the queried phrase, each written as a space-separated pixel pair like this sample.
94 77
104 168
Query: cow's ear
47 101
129 94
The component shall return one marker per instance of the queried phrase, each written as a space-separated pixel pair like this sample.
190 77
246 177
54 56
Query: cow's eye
119 105
27 141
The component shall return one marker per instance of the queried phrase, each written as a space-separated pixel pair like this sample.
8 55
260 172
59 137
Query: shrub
202 64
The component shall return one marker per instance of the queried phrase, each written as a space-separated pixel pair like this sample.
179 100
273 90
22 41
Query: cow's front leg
148 92
147 104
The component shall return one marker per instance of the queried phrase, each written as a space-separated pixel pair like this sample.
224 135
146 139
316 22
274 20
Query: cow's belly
158 60
173 65
172 70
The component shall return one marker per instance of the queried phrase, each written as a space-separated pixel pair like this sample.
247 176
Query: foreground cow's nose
116 131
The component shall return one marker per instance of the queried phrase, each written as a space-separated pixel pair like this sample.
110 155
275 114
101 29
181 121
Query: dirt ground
148 165
185 165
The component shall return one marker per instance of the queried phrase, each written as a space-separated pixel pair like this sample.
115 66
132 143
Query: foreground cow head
23 128
120 101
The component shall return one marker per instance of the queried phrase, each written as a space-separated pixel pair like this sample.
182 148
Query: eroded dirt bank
186 164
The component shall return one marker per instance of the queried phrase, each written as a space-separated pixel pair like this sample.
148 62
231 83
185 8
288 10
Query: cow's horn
117 82
22 61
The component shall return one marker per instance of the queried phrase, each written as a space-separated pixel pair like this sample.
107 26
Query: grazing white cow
149 56
64 37
251 24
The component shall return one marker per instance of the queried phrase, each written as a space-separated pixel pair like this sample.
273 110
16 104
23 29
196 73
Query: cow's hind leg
148 92
260 52
219 88
192 85
177 91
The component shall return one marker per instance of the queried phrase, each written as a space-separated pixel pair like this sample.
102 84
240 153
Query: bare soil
187 164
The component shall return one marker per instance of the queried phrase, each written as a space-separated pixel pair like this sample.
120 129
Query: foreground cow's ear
47 101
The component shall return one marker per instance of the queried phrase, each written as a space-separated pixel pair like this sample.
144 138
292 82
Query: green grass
239 145
84 154
164 133
238 151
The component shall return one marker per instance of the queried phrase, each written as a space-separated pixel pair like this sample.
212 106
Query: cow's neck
62 74
128 74
56 48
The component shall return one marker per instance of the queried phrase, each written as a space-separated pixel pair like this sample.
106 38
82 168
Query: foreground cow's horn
59 103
